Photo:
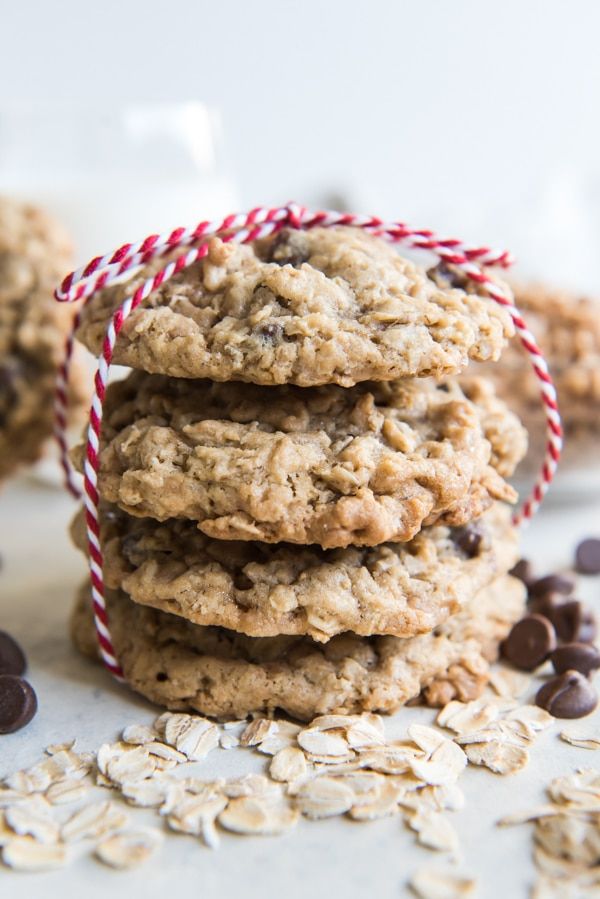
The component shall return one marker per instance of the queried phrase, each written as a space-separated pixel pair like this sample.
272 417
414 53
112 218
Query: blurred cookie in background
35 253
567 328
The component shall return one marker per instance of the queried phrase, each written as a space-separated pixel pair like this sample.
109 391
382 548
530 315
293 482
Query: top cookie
303 307
34 255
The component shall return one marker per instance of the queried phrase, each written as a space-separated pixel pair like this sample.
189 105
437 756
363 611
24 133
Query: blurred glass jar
115 174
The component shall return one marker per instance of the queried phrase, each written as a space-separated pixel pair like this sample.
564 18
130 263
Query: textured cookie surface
34 254
308 308
264 590
326 465
220 673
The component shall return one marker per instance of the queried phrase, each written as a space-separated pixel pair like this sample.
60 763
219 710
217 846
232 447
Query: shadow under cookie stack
303 501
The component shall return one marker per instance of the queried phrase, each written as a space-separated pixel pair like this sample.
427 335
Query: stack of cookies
302 508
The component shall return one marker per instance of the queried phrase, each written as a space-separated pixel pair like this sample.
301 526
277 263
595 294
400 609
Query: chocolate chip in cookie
288 248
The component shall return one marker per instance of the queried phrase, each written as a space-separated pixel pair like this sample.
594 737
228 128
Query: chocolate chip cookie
34 254
223 674
327 465
263 590
307 308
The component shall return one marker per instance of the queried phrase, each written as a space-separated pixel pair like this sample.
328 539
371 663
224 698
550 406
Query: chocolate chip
523 570
270 332
575 657
545 605
573 622
468 539
587 556
569 695
12 657
552 583
530 642
444 276
288 248
18 703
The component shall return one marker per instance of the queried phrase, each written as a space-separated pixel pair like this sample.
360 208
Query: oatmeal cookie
307 308
34 254
223 674
567 328
323 465
263 590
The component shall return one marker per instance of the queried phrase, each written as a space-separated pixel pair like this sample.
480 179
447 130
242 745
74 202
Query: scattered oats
228 741
466 717
138 734
234 725
508 683
258 730
94 821
9 796
364 734
579 789
284 736
165 752
380 805
68 790
389 759
501 758
33 817
6 833
324 797
323 744
129 848
192 814
434 830
191 735
444 766
258 815
532 716
366 785
60 747
146 793
249 785
581 737
288 765
426 738
438 883
26 854
122 763
32 780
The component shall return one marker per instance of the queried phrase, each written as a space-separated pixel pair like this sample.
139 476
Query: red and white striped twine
244 228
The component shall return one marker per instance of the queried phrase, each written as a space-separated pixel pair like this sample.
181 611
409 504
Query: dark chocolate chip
552 583
468 539
288 248
523 570
575 657
12 657
270 332
587 556
573 622
445 276
545 605
530 642
569 695
18 703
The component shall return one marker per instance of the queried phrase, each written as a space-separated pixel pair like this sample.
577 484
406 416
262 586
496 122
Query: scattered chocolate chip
552 583
569 695
12 657
468 539
545 605
530 642
18 703
523 570
573 622
587 556
288 248
575 657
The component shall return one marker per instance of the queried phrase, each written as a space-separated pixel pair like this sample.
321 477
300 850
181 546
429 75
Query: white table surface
77 699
